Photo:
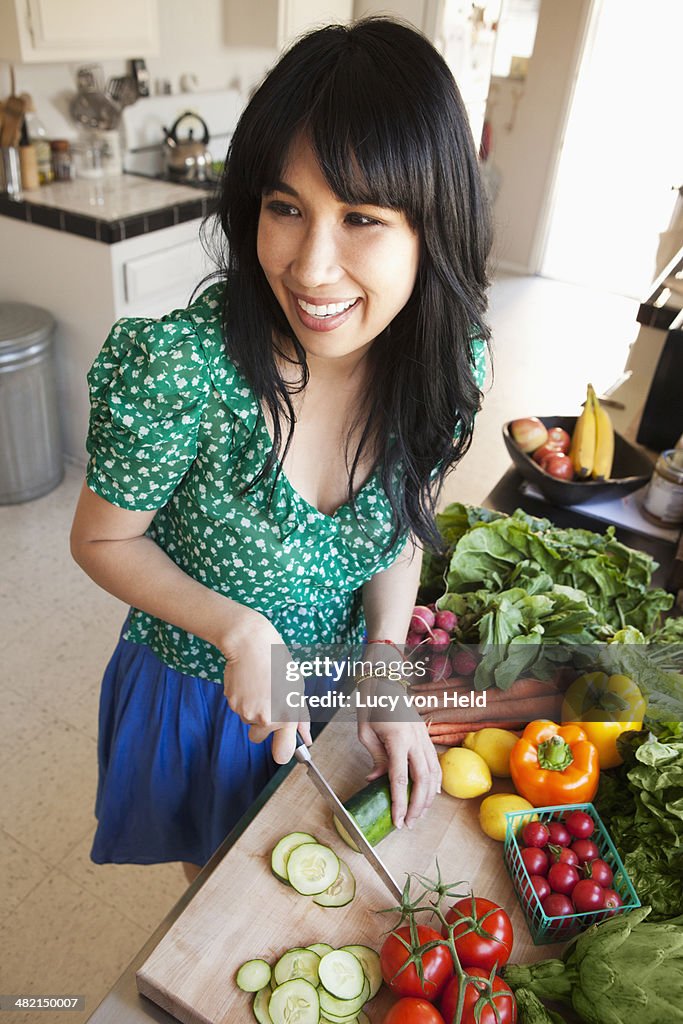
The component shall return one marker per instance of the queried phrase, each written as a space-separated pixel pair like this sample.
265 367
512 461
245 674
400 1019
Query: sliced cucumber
297 963
340 1020
296 1000
341 974
321 947
253 975
369 961
341 892
363 1018
312 868
282 850
371 809
333 1007
260 1005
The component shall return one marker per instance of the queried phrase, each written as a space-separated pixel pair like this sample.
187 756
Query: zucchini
369 961
253 975
297 963
312 868
341 975
321 947
334 1008
295 1000
371 809
260 1005
340 893
282 850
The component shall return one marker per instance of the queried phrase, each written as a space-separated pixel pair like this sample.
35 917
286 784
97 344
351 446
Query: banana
582 451
604 442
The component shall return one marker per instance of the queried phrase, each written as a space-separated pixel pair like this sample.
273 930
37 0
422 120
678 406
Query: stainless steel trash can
31 460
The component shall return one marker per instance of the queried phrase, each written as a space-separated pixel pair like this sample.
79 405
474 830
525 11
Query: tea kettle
187 159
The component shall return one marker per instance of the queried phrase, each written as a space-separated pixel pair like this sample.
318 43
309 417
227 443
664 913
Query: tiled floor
70 927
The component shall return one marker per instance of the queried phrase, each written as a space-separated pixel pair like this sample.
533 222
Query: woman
264 465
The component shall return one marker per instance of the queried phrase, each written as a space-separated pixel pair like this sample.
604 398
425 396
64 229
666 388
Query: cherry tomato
557 905
539 885
501 995
587 895
599 871
437 964
535 833
413 1011
535 860
483 938
579 824
611 900
559 834
585 850
563 878
562 855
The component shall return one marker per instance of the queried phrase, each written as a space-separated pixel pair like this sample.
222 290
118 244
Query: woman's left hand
403 749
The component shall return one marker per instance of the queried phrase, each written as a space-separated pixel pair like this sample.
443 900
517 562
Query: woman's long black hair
388 126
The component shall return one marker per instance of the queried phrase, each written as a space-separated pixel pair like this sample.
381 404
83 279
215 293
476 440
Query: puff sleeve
148 390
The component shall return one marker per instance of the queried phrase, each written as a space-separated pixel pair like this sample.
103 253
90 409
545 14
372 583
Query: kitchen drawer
163 271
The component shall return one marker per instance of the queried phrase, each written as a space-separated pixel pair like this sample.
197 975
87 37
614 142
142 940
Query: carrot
506 710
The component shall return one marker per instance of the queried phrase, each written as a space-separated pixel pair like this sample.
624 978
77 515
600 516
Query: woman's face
340 272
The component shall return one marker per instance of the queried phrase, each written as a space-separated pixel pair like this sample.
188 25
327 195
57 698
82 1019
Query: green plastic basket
546 929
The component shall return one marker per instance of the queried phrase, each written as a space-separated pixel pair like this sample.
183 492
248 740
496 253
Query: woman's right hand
247 683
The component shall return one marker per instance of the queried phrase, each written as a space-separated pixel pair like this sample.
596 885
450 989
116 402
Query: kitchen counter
110 209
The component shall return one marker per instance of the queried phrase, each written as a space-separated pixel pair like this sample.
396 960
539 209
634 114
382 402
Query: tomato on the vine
483 938
398 961
501 995
413 1011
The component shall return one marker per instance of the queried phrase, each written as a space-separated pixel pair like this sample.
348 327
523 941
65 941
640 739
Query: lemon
465 774
494 745
494 808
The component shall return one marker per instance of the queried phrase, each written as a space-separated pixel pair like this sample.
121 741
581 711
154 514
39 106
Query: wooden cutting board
242 911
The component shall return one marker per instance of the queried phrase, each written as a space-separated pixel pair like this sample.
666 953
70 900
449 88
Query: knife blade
302 755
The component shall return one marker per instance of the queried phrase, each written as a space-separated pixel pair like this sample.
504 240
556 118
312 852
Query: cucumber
321 947
260 1005
297 963
295 1000
282 850
312 868
341 975
340 893
253 975
332 1007
369 961
371 810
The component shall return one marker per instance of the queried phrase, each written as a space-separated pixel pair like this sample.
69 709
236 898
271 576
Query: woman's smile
340 271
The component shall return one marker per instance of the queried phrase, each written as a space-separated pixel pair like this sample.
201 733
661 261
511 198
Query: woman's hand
248 681
403 749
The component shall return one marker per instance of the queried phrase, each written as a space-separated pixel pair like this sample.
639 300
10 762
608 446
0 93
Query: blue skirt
176 767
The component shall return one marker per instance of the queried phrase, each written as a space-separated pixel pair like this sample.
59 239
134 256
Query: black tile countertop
109 209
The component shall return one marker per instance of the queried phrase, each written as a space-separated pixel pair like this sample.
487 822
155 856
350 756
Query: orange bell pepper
553 764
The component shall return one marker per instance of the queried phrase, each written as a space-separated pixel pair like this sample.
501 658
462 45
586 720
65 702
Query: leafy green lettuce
641 803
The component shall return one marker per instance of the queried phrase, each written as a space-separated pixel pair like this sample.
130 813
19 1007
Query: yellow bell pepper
605 707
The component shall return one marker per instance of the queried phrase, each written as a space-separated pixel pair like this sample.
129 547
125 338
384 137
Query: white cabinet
87 286
276 23
42 31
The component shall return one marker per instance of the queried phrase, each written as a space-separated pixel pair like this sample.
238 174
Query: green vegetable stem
621 971
530 1009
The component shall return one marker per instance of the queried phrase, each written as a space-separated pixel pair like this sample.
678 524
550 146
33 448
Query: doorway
622 155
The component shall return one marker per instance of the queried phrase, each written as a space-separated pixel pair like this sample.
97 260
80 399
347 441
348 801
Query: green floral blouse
174 426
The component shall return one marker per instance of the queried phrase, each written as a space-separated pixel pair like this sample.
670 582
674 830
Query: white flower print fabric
175 427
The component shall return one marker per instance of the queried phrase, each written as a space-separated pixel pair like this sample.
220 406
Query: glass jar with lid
62 162
663 502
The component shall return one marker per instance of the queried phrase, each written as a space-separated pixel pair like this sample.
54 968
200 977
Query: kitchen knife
302 754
